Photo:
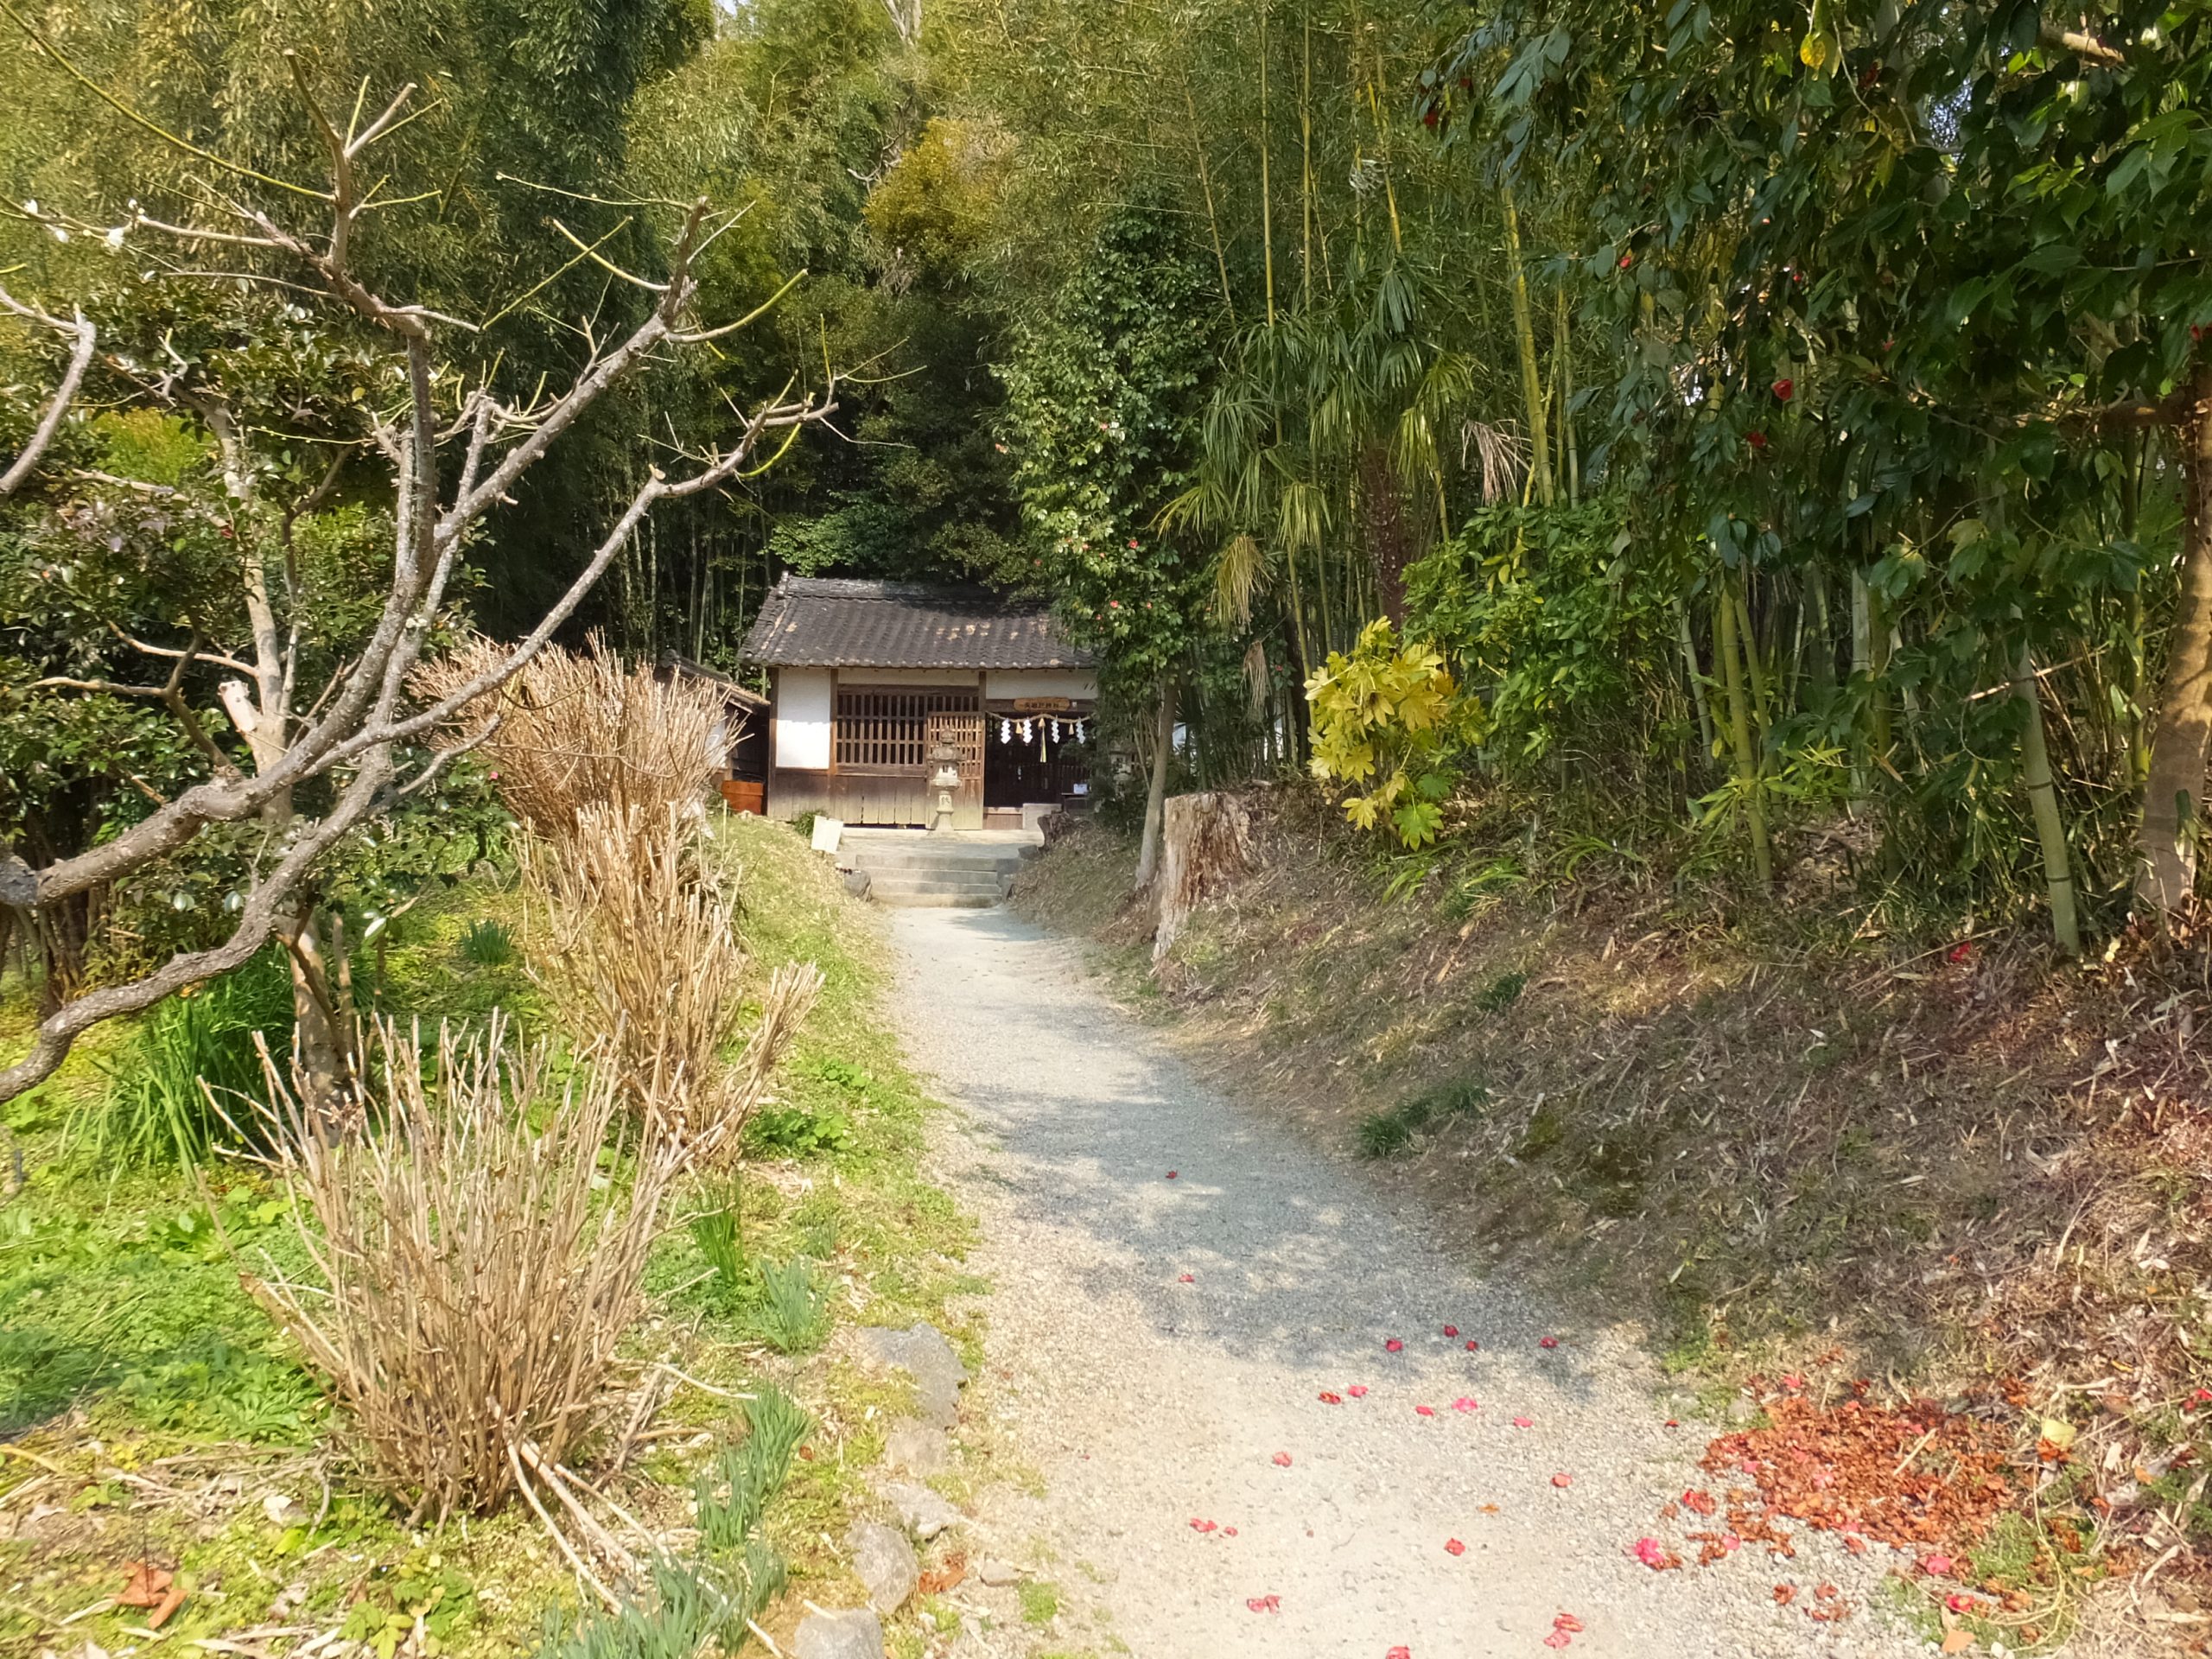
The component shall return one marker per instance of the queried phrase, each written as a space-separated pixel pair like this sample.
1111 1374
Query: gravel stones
921 1511
1141 1401
924 1354
996 1574
885 1562
854 1633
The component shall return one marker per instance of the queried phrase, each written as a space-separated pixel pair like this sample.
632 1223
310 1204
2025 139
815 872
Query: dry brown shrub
637 946
578 730
472 1289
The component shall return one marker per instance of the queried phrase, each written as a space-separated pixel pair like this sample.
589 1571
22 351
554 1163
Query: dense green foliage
1776 419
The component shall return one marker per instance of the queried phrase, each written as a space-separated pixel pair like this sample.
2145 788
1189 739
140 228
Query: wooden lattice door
964 732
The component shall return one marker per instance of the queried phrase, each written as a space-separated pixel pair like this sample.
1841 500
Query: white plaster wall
801 737
905 676
1080 683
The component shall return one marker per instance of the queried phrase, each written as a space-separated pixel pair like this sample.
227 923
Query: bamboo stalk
2043 797
1267 194
1532 388
1697 678
1206 185
1739 729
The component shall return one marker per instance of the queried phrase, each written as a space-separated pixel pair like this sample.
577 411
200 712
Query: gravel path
1159 1344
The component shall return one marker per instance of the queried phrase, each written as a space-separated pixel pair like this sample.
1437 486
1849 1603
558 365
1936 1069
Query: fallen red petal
1399 1653
1328 1399
1523 1422
1358 1390
1199 1524
1394 1346
1568 1622
1265 1603
1937 1566
1453 1546
1190 1278
1451 1330
1557 1639
1283 1460
1424 1411
1548 1342
1473 1346
1171 1174
1562 1480
1229 1532
1464 1404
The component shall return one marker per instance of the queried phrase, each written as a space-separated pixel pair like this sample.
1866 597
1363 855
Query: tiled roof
831 622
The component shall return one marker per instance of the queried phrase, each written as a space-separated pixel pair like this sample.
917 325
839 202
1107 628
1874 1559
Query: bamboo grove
1784 426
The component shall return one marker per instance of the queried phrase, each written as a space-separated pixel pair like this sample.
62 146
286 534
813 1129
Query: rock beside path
914 1447
852 1633
924 1354
885 1562
921 1511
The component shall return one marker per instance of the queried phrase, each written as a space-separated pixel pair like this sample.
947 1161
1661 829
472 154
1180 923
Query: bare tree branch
79 359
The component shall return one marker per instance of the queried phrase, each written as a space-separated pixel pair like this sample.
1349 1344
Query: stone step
927 858
886 881
936 900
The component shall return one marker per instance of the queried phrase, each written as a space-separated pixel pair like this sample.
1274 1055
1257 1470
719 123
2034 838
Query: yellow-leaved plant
1386 720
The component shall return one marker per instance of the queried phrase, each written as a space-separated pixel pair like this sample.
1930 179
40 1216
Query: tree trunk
1163 755
2181 741
1207 845
2050 829
1382 511
1739 731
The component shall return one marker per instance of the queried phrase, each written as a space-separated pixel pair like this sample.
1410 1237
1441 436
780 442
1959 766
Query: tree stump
1207 847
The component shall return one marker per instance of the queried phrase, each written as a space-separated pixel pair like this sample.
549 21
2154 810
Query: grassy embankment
151 1410
1783 1142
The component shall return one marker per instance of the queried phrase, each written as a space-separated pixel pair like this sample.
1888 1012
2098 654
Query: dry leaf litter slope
1149 1402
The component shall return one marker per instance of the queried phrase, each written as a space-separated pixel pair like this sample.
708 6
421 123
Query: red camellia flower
1428 117
1627 259
1784 388
1757 439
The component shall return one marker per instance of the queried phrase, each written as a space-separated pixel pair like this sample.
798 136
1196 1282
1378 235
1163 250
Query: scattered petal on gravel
1328 1399
1557 1639
1562 1480
1959 1602
1229 1532
1399 1653
1394 1346
1189 1279
1264 1603
1357 1390
1453 1546
1548 1342
1473 1346
1283 1460
1784 1593
1937 1566
1651 1553
1424 1411
1464 1404
1524 1422
1451 1330
1568 1622
1198 1524
1171 1174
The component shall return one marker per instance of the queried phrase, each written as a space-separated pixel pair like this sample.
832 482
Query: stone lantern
944 778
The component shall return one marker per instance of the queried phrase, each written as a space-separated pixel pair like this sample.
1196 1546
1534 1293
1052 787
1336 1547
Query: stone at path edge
885 1562
921 1352
854 1633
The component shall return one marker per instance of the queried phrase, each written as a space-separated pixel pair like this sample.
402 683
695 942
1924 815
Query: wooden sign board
1042 705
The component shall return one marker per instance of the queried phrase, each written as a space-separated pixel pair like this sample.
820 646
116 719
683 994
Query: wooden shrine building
867 677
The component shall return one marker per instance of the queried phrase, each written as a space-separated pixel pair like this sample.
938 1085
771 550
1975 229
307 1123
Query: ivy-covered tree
1103 399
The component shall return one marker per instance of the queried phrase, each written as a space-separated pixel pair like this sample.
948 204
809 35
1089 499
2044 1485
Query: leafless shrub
640 946
578 730
472 1290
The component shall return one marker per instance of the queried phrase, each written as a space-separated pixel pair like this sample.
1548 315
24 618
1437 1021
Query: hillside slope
1955 1165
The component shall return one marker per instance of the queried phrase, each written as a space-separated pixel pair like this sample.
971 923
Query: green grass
1040 1602
490 944
122 1317
1386 1133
